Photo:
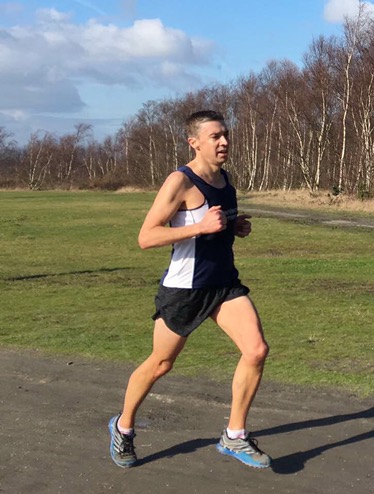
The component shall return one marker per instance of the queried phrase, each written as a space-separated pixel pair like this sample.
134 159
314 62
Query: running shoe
122 448
244 450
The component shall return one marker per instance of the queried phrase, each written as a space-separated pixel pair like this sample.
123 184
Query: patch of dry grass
128 189
322 200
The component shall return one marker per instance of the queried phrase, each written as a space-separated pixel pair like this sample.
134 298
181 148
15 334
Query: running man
195 211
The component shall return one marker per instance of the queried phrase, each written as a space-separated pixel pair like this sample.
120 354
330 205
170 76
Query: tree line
290 127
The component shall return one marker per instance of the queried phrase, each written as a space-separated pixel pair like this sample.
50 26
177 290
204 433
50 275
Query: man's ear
192 141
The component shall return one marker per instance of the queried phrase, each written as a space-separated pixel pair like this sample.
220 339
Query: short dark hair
199 117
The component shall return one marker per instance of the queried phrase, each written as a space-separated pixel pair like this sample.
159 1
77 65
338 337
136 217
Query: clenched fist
214 220
242 225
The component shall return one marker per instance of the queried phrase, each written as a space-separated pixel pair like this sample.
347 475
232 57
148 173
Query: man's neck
209 173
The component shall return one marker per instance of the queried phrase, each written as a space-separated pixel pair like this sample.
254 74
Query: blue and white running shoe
122 448
244 450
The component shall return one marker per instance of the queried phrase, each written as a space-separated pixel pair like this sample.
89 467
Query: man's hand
214 221
242 225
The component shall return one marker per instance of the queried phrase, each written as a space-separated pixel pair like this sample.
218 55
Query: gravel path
54 436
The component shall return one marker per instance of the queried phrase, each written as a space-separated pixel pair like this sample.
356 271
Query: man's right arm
155 233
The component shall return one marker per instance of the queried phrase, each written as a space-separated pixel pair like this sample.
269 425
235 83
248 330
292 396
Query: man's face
211 143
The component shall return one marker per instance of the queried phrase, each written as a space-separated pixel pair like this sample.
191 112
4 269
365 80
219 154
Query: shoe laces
127 445
252 444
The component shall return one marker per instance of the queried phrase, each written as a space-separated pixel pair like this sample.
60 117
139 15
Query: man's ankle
236 433
128 431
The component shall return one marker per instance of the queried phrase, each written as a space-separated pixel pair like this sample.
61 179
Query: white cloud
338 10
43 65
16 115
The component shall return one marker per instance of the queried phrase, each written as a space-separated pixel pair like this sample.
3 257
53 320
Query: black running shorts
184 309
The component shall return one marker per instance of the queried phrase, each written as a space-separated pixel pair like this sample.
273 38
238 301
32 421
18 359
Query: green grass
73 280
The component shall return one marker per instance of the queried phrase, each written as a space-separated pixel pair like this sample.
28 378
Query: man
199 204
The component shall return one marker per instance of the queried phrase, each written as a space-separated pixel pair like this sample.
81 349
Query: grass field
73 280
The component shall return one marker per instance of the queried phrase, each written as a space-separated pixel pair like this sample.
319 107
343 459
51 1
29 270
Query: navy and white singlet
205 261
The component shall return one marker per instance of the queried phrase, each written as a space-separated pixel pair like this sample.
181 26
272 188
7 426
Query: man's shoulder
177 179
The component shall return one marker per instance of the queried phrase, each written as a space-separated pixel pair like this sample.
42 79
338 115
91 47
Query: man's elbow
142 242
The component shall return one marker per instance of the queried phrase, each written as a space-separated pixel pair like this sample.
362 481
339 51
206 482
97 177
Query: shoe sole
111 425
225 451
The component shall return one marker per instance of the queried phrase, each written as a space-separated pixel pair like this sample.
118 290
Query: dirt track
311 216
54 436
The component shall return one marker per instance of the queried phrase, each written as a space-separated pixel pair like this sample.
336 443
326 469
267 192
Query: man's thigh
240 321
166 344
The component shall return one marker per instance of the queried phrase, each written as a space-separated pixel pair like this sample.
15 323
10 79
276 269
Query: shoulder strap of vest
225 176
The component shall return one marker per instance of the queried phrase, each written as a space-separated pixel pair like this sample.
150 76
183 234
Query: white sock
127 432
236 434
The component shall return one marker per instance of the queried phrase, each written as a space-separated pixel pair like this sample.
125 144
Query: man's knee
256 355
162 367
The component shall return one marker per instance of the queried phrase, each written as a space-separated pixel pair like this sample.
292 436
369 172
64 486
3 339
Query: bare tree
9 158
319 79
37 160
65 163
362 109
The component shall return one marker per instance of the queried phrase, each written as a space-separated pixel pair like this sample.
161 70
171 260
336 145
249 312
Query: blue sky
64 62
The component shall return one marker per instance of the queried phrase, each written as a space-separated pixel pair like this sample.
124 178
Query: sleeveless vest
206 261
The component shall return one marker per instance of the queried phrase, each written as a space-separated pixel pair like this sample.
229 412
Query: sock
236 434
126 432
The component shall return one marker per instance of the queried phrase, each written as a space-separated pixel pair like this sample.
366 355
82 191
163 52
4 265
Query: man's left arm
243 227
